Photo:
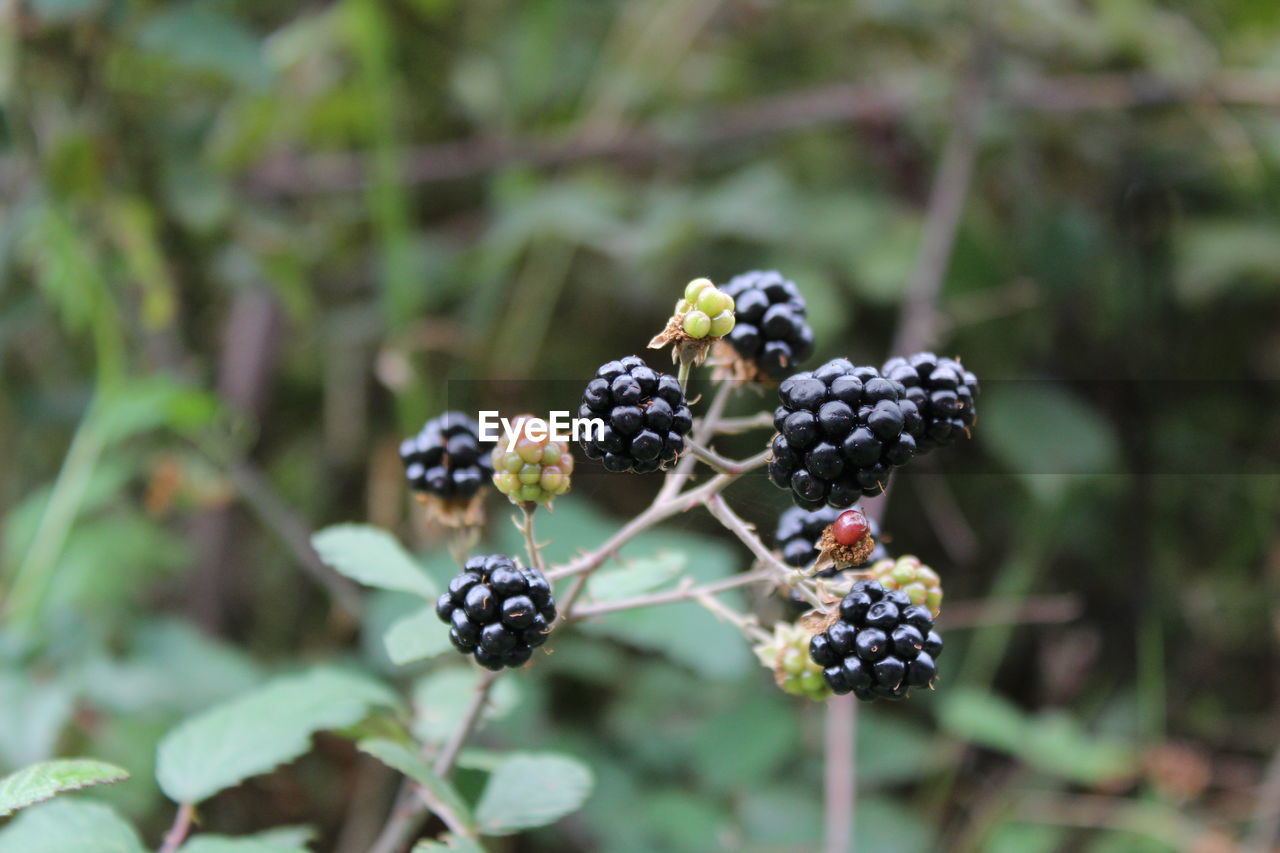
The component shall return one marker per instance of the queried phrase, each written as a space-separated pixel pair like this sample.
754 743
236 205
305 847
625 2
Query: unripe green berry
722 324
712 302
550 478
914 578
530 451
697 324
533 471
695 287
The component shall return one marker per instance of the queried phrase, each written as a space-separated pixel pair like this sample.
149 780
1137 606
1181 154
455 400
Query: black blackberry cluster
943 391
800 529
645 416
770 330
447 459
881 646
841 431
497 610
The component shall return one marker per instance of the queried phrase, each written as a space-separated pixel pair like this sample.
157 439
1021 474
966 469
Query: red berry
850 527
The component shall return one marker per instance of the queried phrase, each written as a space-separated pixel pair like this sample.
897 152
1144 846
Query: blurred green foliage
279 235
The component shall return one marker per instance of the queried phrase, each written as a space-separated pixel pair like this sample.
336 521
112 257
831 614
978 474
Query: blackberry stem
685 591
713 459
744 623
733 426
734 523
682 376
530 540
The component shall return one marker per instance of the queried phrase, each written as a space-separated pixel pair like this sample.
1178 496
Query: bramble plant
867 626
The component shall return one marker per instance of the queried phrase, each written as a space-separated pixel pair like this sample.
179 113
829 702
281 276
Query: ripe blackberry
535 470
881 645
771 334
498 611
446 464
841 431
800 529
914 578
645 417
943 391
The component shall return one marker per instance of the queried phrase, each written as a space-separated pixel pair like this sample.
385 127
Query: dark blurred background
246 246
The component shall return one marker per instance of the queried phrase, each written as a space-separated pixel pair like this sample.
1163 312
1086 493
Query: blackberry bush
772 334
446 463
498 611
880 644
841 431
943 391
645 417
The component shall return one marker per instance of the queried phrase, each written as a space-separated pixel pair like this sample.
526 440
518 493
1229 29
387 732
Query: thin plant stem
660 510
528 508
702 432
841 782
734 523
682 375
181 827
684 592
744 623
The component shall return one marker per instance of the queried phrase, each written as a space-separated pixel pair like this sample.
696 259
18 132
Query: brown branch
289 174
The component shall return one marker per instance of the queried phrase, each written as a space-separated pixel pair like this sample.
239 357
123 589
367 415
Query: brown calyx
453 513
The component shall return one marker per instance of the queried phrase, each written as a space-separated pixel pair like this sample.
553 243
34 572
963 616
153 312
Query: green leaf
530 789
70 826
417 637
33 712
227 844
203 39
1053 743
440 701
1046 435
39 782
262 729
373 557
413 765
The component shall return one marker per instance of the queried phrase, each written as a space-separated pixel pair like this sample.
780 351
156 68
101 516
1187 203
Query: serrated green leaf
69 826
373 557
417 637
262 729
440 701
228 844
39 782
413 765
530 789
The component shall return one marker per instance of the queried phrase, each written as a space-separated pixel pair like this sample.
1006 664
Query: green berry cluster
913 577
536 470
705 311
787 654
